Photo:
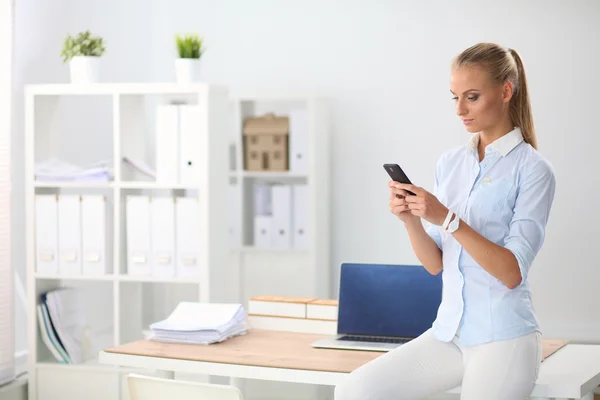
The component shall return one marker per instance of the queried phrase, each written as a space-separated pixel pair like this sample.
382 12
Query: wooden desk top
271 349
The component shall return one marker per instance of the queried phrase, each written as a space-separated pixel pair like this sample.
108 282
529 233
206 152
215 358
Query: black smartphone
396 173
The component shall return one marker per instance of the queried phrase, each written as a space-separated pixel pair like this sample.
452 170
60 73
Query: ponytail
520 107
504 65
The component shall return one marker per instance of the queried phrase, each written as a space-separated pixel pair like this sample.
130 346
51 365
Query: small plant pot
85 69
187 70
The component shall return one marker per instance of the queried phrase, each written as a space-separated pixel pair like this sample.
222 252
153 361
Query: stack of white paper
58 170
201 323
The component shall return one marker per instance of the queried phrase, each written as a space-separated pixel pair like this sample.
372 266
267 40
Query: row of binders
293 314
71 234
164 236
281 216
63 326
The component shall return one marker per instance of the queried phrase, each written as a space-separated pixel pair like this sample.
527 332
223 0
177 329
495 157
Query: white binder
262 231
299 141
188 237
163 236
193 135
281 236
93 234
262 199
69 234
46 234
300 221
139 243
167 144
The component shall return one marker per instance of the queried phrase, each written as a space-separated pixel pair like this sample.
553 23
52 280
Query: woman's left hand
424 204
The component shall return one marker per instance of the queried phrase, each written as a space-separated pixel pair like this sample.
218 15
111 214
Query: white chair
151 388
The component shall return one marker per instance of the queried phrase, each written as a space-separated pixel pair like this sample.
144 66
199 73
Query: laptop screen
387 300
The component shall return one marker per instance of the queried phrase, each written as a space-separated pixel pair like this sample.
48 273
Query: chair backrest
151 388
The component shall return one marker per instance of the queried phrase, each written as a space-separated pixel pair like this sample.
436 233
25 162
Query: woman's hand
398 203
423 204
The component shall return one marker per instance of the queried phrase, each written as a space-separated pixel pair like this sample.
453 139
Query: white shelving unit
288 271
86 123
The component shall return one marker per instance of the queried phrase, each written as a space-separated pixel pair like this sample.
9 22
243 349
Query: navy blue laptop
383 306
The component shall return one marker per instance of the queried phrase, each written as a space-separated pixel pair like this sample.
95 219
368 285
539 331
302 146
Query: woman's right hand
398 203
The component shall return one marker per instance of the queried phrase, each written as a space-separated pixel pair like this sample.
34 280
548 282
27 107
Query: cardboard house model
266 143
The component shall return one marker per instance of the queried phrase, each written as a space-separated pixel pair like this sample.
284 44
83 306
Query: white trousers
425 366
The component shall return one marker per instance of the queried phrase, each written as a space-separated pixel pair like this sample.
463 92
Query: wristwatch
453 225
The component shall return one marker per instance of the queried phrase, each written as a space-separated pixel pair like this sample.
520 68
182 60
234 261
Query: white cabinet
115 126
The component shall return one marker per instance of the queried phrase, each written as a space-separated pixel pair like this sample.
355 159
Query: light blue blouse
507 199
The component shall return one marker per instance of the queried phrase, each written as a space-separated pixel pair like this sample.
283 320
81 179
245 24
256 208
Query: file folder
69 234
281 203
93 234
300 205
46 234
188 237
163 236
139 243
193 141
167 144
299 141
262 199
262 231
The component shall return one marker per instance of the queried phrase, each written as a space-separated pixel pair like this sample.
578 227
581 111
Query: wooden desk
573 371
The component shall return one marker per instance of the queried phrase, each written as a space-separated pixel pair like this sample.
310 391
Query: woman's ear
507 91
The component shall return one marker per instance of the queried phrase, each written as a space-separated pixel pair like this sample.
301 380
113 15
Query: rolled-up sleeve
532 209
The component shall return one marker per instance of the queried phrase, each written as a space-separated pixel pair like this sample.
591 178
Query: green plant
82 45
190 46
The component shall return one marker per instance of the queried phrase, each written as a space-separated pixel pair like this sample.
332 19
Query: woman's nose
460 108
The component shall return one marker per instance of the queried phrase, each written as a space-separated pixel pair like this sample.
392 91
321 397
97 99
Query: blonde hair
504 65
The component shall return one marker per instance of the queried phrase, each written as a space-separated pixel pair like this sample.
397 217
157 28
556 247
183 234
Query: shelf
58 89
91 365
154 279
107 185
154 185
252 249
76 185
268 174
103 278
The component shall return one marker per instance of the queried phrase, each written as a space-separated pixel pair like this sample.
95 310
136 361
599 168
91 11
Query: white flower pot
187 70
85 69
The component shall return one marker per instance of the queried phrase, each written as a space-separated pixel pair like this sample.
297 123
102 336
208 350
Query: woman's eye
455 98
473 98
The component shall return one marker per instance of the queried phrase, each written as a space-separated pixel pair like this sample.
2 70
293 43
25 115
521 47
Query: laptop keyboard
377 339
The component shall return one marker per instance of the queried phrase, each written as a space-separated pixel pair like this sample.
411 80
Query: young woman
486 223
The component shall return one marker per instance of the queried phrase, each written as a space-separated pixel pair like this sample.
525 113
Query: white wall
385 64
39 27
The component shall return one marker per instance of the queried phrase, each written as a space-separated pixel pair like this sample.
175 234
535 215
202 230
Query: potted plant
187 66
83 54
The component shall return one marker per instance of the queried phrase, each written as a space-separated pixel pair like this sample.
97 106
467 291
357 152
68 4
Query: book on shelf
63 326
